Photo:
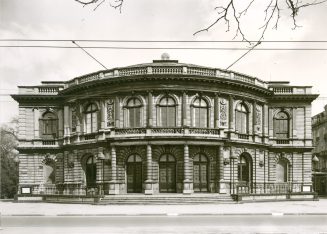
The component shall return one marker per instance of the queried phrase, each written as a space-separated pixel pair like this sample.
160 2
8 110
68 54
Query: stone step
168 199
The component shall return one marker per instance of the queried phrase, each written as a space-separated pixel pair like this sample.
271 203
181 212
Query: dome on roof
165 56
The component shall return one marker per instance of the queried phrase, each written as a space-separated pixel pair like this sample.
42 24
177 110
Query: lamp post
315 160
101 157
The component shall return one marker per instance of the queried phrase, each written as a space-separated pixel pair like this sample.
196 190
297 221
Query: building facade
165 127
319 132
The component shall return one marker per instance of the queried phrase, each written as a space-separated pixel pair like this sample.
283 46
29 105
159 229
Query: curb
171 214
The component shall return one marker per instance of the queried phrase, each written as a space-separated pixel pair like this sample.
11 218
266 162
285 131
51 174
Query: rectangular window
94 122
88 123
241 122
281 128
200 117
50 127
134 117
171 121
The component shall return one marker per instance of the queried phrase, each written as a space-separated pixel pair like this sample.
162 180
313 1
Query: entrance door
91 172
167 174
134 174
200 173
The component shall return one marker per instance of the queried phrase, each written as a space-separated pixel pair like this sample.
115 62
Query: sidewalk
259 208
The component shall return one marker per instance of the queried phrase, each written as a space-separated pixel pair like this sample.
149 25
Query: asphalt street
165 224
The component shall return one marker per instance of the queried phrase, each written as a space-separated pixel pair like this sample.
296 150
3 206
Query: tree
8 160
231 12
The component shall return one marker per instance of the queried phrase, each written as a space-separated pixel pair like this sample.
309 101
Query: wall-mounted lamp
261 163
101 156
70 160
315 159
226 161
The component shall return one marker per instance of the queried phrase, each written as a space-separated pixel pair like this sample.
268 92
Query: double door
167 175
200 177
134 177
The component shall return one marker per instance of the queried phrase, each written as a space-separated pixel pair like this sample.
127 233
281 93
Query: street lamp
315 160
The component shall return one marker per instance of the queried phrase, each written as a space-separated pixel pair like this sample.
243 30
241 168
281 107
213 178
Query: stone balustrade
169 70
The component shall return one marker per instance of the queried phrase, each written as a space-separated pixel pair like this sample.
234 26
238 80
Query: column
117 112
36 123
221 183
148 182
254 120
188 184
102 114
150 110
216 110
265 119
231 116
233 178
254 116
294 114
184 110
113 185
66 121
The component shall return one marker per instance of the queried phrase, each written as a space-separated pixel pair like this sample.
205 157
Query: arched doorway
91 172
281 171
244 169
200 173
167 174
134 174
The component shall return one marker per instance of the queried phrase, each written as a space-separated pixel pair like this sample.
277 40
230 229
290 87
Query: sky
153 20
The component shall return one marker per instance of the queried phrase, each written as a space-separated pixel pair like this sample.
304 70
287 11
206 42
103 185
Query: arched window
133 107
282 171
200 111
167 112
244 169
281 125
49 125
241 119
91 120
91 172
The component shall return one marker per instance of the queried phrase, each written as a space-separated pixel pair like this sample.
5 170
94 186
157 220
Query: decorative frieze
110 113
223 112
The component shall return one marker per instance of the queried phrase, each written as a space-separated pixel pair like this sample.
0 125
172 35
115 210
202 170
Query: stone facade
319 132
165 127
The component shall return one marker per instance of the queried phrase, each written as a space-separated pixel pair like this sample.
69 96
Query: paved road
165 224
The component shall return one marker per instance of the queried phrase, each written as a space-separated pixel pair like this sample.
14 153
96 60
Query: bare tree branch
228 14
118 4
84 3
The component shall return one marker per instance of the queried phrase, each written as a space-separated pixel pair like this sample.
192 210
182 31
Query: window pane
203 117
131 117
94 122
137 117
88 122
171 117
244 123
196 117
163 115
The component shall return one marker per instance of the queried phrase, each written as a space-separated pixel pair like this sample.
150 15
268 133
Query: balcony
282 141
243 136
178 69
168 131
